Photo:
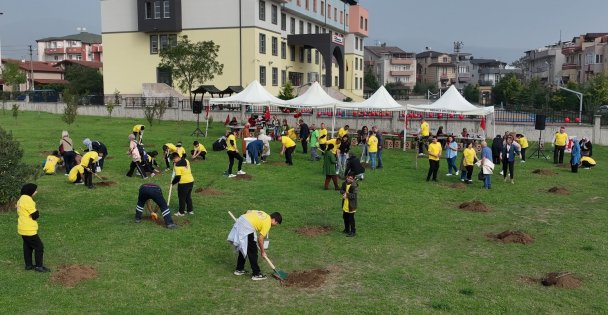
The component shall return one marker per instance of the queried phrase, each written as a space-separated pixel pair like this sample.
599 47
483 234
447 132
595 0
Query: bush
161 108
110 108
70 112
150 113
14 172
15 110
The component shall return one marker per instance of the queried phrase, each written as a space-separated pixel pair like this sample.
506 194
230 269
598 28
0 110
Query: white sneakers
177 214
231 175
241 173
456 173
449 174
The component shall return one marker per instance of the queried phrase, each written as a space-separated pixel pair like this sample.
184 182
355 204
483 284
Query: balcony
569 50
486 82
74 50
402 61
51 51
570 66
402 73
96 48
443 76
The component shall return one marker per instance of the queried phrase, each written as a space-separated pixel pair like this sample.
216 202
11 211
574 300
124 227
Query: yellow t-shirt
137 128
345 203
87 157
51 164
200 147
323 132
25 224
588 160
260 221
181 151
334 150
287 142
372 144
561 138
291 133
523 142
434 149
229 145
171 147
469 156
182 168
342 132
425 129
73 176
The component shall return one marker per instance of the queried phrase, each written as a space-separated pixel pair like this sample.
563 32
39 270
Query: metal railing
134 102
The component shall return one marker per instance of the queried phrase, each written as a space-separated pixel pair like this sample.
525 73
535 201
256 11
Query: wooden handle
269 262
169 199
232 215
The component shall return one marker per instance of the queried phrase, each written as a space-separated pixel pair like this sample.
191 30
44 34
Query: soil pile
314 230
510 237
544 172
474 206
559 190
208 191
561 280
458 186
105 184
70 275
306 279
243 177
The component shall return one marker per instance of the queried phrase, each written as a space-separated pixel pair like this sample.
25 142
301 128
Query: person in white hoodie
266 139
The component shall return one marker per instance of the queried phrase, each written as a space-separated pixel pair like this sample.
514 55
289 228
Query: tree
422 88
12 75
191 63
370 81
286 92
535 94
83 80
471 93
596 91
71 107
14 172
507 90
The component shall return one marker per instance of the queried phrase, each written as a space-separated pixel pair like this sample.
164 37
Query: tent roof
314 97
253 94
452 102
211 89
381 100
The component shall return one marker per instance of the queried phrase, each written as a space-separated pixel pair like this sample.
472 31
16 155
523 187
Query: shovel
279 274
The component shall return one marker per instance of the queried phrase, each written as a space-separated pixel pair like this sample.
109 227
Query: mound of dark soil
474 206
105 184
70 275
561 280
559 190
306 279
510 237
544 172
457 186
243 177
208 191
314 230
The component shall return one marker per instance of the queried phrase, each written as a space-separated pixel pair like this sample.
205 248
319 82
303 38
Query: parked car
603 109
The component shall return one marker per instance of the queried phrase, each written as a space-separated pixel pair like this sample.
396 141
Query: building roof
428 53
592 36
486 61
87 64
37 66
380 50
84 37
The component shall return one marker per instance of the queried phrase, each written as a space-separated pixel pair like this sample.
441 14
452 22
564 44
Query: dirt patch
243 177
555 279
559 190
106 184
208 191
314 230
510 237
70 275
109 158
306 279
544 172
457 186
160 221
185 222
474 206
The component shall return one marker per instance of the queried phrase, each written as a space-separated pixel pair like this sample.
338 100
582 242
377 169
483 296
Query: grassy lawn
415 252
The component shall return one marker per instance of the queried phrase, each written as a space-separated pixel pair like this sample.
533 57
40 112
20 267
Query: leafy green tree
70 112
13 76
596 92
369 79
397 89
14 172
286 92
422 88
83 80
508 90
191 63
535 94
471 93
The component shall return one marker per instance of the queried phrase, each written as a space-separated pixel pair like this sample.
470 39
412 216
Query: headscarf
29 189
87 142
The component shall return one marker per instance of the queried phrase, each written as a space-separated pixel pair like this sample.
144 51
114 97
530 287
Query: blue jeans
364 154
452 165
341 162
379 158
487 181
372 156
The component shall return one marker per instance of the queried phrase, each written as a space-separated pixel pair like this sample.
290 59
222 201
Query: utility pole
31 69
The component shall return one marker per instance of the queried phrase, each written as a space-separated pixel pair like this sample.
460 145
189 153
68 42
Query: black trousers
469 172
523 154
136 165
33 244
88 176
252 254
231 156
68 160
304 146
147 192
508 165
201 155
184 194
574 168
423 143
167 160
349 222
288 155
558 154
433 168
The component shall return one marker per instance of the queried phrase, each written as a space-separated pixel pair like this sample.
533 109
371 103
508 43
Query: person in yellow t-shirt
76 174
88 162
559 142
252 225
323 137
233 153
434 154
185 182
372 148
469 157
27 227
50 166
343 131
287 148
291 133
168 149
180 150
349 192
523 142
199 151
336 144
423 137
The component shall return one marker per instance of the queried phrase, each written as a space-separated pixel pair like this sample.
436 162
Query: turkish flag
483 123
267 113
207 111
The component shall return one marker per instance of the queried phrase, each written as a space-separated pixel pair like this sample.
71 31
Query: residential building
39 72
82 46
463 69
545 64
585 57
391 64
271 41
436 68
488 72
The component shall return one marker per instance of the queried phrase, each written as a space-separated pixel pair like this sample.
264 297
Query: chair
397 144
388 144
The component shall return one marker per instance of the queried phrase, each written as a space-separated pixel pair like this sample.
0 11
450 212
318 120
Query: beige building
391 65
436 68
37 73
585 56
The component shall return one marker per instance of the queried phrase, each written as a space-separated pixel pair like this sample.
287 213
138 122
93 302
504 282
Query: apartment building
82 46
585 56
436 68
271 41
37 74
391 64
544 63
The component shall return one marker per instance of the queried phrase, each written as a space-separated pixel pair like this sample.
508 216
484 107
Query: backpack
219 144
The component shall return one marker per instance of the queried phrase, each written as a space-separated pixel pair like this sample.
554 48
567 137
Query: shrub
15 110
161 108
150 113
110 108
70 112
14 172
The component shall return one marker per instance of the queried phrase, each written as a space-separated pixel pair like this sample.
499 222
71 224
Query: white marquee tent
314 97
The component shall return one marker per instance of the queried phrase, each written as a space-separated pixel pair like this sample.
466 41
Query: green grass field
415 252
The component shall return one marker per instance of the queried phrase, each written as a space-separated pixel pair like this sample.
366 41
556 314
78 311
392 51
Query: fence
553 116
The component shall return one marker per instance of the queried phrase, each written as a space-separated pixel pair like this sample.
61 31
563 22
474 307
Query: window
164 41
356 83
356 64
599 58
302 54
262 43
341 17
346 19
292 26
273 14
307 5
301 27
172 40
356 43
309 28
361 83
336 81
322 8
329 11
283 21
283 76
154 44
275 76
262 75
366 24
157 9
148 10
316 57
275 46
361 22
308 56
166 10
262 14
444 59
299 3
283 50
316 29
314 6
292 52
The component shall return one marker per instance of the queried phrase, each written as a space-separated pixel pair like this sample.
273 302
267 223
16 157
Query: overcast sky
489 28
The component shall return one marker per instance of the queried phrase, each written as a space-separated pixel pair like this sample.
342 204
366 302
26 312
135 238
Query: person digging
153 192
249 228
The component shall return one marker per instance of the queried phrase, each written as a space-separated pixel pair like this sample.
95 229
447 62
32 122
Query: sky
499 29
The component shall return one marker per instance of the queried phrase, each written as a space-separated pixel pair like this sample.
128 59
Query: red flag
207 111
227 121
267 113
483 123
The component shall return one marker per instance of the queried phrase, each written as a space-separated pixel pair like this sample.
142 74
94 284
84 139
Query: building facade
544 64
391 65
272 41
37 73
436 68
585 57
82 46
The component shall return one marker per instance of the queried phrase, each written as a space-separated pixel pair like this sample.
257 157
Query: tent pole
333 121
404 129
494 123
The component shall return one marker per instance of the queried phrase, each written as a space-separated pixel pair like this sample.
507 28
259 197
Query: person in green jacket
314 142
329 167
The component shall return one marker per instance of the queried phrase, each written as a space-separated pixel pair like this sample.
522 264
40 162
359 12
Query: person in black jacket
586 147
98 147
304 133
496 149
354 168
349 192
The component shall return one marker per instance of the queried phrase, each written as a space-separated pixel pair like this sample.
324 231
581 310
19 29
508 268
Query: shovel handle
270 263
232 215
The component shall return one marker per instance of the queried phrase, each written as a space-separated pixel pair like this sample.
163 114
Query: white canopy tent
381 100
253 94
314 97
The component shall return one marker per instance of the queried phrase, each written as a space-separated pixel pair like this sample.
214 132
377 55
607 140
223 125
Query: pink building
83 46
